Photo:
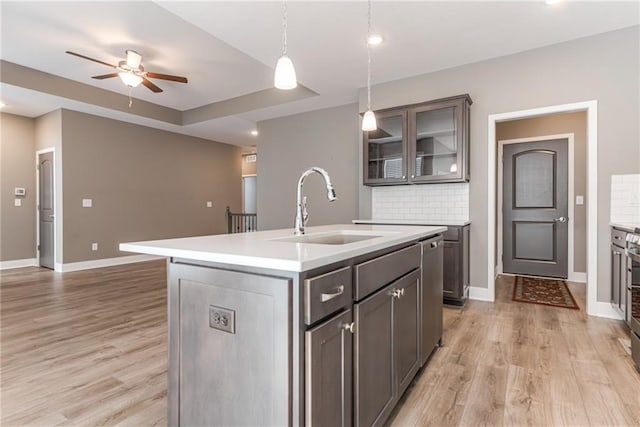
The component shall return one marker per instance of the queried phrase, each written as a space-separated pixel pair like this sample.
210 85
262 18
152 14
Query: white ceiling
228 49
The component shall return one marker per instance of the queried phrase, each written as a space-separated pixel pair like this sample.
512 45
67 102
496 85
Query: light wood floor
89 348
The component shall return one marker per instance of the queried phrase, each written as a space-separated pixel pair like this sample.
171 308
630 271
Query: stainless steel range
633 292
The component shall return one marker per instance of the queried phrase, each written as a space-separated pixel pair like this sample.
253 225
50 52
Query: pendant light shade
285 75
369 121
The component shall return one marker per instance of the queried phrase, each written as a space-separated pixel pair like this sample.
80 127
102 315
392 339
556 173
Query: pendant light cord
368 55
284 27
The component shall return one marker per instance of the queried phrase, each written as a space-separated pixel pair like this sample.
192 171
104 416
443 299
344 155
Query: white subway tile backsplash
433 202
625 199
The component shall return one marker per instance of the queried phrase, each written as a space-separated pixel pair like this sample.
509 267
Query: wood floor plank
89 348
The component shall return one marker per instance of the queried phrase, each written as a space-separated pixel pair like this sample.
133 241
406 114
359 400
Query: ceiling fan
131 71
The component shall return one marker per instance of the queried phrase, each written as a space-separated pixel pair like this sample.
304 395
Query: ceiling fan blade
151 86
105 76
90 59
167 77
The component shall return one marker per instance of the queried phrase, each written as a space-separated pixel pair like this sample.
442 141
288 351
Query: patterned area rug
538 290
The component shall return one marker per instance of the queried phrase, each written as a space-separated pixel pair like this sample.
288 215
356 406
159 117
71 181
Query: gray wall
603 68
555 124
17 169
145 184
287 146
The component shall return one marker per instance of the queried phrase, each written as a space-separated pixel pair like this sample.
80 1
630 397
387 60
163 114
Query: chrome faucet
302 216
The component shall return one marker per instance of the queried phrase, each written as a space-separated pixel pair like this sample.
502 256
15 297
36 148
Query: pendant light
369 119
285 75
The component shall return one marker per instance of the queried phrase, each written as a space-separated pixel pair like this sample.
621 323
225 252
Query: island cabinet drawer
326 294
378 272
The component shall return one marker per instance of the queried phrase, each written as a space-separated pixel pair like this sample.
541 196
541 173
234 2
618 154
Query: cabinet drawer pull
349 327
331 295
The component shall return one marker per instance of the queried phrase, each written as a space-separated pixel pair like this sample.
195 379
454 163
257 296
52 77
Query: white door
250 194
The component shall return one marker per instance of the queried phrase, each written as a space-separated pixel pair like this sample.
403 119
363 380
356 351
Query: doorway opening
538 173
591 107
46 208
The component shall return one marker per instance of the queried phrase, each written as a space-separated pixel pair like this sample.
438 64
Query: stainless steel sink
340 238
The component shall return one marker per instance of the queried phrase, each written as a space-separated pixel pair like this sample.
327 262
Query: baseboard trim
18 263
603 309
480 294
577 277
105 262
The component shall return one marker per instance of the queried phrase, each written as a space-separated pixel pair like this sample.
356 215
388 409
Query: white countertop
262 249
410 222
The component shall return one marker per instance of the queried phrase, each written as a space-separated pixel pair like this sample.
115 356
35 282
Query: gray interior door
46 213
535 211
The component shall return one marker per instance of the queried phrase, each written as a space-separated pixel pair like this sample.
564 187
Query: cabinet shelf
437 155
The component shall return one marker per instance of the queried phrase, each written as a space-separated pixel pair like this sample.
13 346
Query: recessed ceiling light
254 132
550 2
374 39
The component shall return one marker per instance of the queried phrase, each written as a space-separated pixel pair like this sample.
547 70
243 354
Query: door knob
349 327
561 219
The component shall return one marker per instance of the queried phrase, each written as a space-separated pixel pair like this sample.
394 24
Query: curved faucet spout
301 205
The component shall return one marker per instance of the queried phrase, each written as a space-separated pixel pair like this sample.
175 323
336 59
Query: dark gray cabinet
456 265
332 346
419 144
328 372
618 271
387 354
431 298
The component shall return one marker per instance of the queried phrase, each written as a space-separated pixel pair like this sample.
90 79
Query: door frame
594 307
55 207
571 274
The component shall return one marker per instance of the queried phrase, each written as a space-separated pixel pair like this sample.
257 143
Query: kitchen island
326 328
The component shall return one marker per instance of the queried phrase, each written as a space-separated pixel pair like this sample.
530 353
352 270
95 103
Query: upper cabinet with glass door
385 150
436 136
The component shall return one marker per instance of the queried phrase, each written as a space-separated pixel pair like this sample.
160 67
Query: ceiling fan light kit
132 73
285 74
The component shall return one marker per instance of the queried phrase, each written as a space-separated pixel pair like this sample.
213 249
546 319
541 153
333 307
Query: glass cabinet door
385 149
435 142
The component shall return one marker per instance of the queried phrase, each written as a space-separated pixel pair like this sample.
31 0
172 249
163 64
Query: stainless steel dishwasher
431 298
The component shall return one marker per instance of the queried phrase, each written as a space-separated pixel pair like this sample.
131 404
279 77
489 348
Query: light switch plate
94 246
579 200
209 204
87 203
17 202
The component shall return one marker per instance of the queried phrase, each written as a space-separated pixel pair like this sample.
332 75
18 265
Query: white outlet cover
87 203
94 246
209 204
17 202
579 200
